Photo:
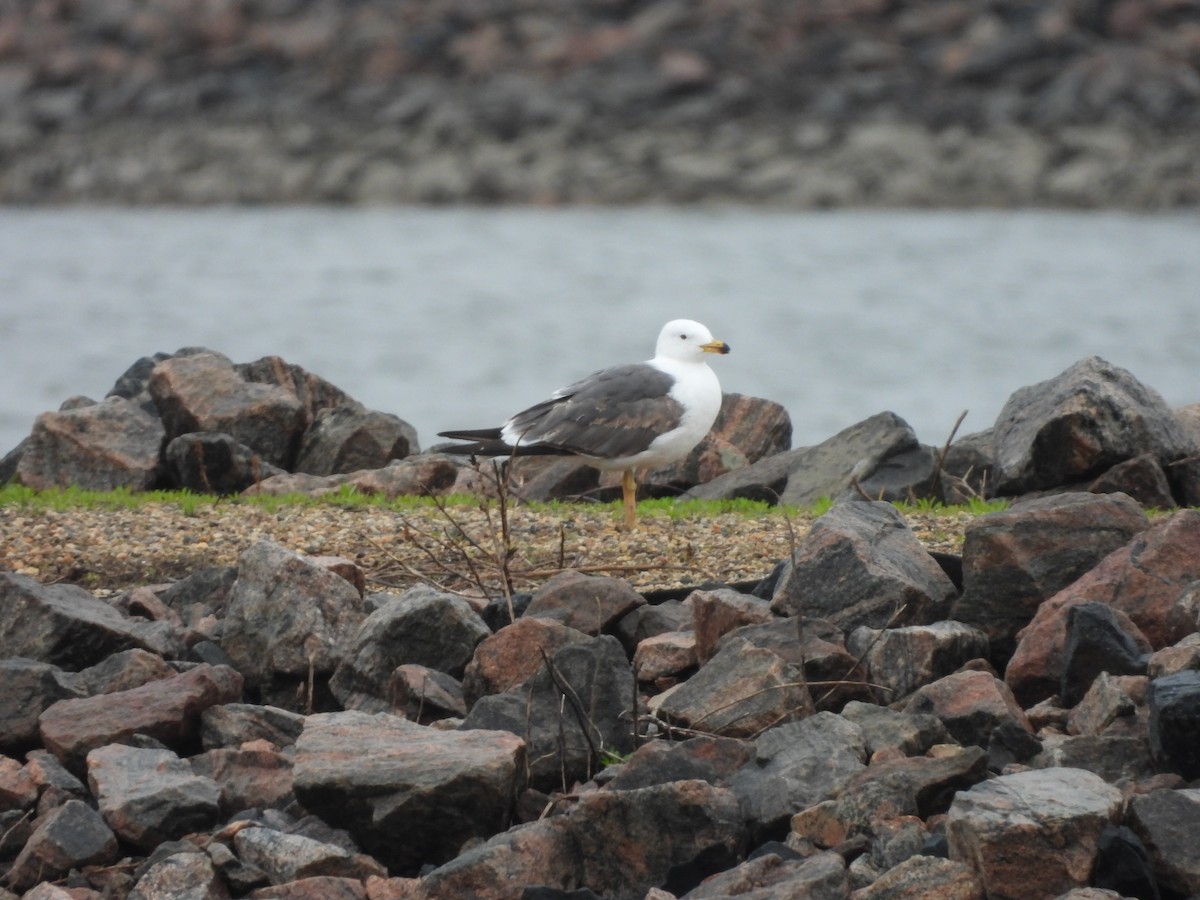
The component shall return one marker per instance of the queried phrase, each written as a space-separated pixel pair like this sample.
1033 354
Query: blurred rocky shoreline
816 104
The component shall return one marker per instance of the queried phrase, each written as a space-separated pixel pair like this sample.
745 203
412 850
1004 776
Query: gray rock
422 626
350 437
513 655
124 671
719 612
1114 757
150 796
1166 821
408 794
204 393
425 695
30 687
180 876
796 765
1077 425
69 837
913 734
900 660
1141 478
860 564
925 878
1032 833
740 692
60 624
569 716
209 462
287 617
1097 642
288 857
1015 559
770 877
100 447
588 603
710 759
232 724
971 704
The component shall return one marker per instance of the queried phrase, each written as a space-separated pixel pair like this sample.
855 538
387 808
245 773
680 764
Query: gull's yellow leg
629 491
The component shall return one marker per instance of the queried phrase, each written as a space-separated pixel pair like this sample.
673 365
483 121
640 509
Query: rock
616 843
150 796
313 392
909 786
587 603
1115 758
710 759
1079 424
237 723
422 626
883 728
211 462
288 618
739 693
318 887
718 612
180 876
971 704
1015 559
769 876
1174 702
1123 865
124 671
568 713
206 393
1141 478
253 776
1148 582
349 437
1110 704
900 660
925 878
1096 642
60 624
860 564
795 765
99 447
424 695
290 857
1032 834
408 794
30 688
511 656
967 469
1166 823
417 476
803 476
166 709
69 837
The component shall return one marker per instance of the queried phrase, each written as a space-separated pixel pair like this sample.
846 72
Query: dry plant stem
936 480
568 692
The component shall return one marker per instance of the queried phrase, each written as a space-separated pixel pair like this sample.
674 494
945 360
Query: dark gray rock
288 617
910 733
422 626
425 695
288 857
1175 722
795 765
186 875
971 704
1123 864
1015 559
1166 822
860 564
1114 757
1096 642
966 472
567 713
99 447
69 837
30 687
1141 478
350 437
710 759
408 794
150 796
124 671
771 877
60 624
1080 423
209 462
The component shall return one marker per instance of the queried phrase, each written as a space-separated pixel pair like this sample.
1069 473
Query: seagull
623 418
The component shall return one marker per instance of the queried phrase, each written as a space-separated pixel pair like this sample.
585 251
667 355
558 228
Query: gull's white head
688 341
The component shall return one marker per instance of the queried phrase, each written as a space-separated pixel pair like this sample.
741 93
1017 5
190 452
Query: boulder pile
868 721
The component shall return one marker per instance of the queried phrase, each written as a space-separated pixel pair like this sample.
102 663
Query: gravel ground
457 549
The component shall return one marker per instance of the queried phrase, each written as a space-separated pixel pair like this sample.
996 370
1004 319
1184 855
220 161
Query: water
456 318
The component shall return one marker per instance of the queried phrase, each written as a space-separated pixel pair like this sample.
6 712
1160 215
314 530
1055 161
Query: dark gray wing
615 412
